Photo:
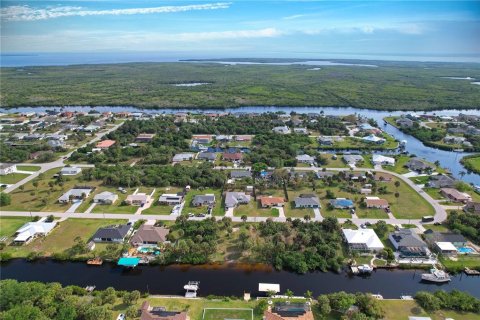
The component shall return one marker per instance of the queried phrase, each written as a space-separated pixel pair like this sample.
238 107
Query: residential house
404 122
441 181
75 194
289 311
56 144
243 137
161 313
203 200
324 174
145 137
383 177
455 195
234 157
374 139
90 128
233 199
352 159
362 240
207 156
305 158
472 207
171 198
105 197
70 171
240 174
105 144
268 202
223 138
417 164
300 130
376 202
116 233
445 243
281 130
378 159
7 168
409 244
138 199
326 141
202 139
149 235
179 157
342 203
454 140
31 230
307 201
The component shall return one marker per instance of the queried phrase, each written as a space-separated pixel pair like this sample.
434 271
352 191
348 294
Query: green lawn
400 162
401 309
472 163
434 193
9 225
157 208
371 213
218 209
291 211
116 207
333 163
462 261
253 209
62 237
420 180
28 168
13 178
222 314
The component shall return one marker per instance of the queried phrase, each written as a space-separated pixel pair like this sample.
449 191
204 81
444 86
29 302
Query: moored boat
436 275
95 262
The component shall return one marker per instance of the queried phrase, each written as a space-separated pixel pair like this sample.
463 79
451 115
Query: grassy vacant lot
462 261
331 163
218 209
28 168
357 143
222 313
472 163
253 209
62 237
8 225
393 86
401 309
13 178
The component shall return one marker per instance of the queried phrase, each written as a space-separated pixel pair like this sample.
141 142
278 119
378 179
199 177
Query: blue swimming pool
465 250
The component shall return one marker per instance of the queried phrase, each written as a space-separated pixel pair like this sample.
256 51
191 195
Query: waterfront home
207 156
444 242
382 177
378 159
138 199
455 195
404 122
409 244
362 240
269 202
373 139
105 144
233 199
472 207
171 198
116 233
441 181
454 140
352 159
179 157
161 313
70 171
149 235
376 202
145 137
326 141
203 200
31 230
300 130
7 168
307 201
418 165
240 174
281 130
289 311
105 197
342 203
305 158
232 156
75 194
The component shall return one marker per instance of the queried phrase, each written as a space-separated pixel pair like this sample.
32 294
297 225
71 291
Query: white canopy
265 287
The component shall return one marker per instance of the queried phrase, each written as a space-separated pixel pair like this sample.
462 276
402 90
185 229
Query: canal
226 280
449 160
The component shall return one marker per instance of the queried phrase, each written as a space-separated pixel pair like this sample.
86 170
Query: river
448 159
226 280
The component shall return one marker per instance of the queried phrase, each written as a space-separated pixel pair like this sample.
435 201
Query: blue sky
244 28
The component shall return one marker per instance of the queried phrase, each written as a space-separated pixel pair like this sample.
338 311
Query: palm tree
289 293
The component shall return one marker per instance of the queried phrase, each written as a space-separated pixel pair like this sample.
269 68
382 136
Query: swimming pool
153 250
465 250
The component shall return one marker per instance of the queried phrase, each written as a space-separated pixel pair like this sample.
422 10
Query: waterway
449 160
227 280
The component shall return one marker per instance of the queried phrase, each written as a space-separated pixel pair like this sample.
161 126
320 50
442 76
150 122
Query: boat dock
191 289
470 272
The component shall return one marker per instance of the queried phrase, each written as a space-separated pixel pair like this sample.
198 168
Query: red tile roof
105 144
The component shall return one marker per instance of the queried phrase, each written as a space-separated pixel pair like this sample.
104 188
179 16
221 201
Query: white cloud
27 13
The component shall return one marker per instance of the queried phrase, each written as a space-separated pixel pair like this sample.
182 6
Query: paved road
58 163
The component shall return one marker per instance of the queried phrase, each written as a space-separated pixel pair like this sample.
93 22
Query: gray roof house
149 235
305 158
404 122
75 193
417 164
282 130
112 233
203 199
352 159
307 201
183 157
208 156
441 181
240 174
105 197
408 244
70 171
432 237
324 174
232 199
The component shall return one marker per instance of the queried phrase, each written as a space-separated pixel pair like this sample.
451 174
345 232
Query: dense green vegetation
392 85
472 163
453 300
466 224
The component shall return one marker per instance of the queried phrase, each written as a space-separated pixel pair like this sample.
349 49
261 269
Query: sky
243 28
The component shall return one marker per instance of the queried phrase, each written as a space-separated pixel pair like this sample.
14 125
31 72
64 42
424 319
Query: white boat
436 275
191 289
365 268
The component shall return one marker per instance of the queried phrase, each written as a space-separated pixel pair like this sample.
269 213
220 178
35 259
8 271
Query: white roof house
374 139
183 157
32 229
105 197
446 246
6 168
362 240
380 159
70 171
282 130
75 193
305 158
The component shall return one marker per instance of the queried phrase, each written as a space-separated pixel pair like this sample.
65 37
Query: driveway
318 215
74 207
229 212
